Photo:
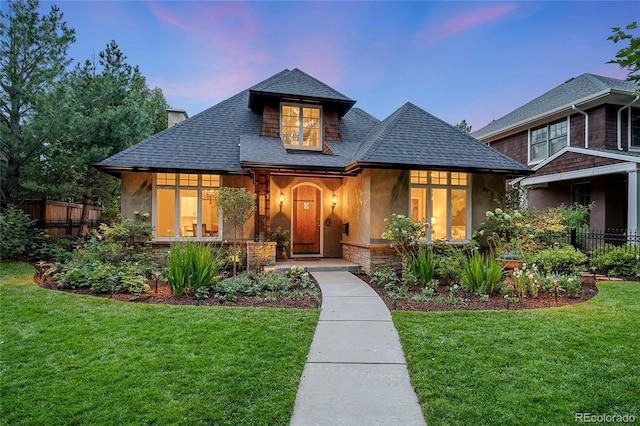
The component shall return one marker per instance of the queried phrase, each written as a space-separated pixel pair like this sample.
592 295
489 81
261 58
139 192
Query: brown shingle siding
515 146
331 125
572 161
270 121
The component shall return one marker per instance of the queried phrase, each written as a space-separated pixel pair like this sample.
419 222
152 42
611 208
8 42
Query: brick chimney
176 116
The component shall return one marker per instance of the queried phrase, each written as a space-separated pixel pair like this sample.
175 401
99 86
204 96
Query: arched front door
306 220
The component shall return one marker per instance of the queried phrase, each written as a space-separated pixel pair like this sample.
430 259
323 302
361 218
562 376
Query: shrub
273 281
231 287
403 233
481 274
565 260
15 228
192 265
617 260
300 277
384 275
447 263
421 264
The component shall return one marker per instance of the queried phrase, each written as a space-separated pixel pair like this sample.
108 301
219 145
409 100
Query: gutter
619 122
586 124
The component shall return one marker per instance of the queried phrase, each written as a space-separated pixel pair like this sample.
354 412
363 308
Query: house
582 139
321 168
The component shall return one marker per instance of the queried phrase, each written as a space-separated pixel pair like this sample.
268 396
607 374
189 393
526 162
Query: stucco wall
389 194
356 209
482 188
136 193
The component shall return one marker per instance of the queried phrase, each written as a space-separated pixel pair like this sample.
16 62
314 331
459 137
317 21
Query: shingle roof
298 83
207 141
576 89
263 151
411 137
225 139
300 87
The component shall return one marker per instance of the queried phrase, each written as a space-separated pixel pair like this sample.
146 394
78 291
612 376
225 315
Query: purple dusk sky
457 60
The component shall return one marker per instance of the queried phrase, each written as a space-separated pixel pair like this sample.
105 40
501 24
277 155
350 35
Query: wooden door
306 220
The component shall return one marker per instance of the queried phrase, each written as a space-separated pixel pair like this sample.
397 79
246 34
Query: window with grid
634 120
442 200
547 140
185 206
300 127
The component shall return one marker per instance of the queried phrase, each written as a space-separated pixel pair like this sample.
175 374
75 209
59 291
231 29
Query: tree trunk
86 204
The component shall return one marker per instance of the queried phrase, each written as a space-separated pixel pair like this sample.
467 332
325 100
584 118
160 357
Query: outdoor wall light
281 199
334 201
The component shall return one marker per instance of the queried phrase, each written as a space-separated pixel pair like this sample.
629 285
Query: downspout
620 121
586 124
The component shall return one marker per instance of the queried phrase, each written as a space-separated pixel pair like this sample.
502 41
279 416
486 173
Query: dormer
300 110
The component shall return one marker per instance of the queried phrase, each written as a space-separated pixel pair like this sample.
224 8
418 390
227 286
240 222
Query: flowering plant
404 233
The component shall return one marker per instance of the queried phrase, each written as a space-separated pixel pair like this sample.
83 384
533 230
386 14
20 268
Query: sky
457 60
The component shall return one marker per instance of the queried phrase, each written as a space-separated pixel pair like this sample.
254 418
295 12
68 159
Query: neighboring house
325 171
582 139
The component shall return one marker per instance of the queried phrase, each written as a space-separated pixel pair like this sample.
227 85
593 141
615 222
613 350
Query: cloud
165 16
457 24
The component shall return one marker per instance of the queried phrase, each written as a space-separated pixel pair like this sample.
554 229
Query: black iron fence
588 240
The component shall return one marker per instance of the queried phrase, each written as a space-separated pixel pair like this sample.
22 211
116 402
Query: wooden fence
59 218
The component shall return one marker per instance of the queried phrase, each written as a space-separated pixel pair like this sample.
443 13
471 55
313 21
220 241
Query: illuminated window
300 127
185 206
442 200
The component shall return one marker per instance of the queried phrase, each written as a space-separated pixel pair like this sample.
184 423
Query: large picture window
185 206
547 140
300 127
442 200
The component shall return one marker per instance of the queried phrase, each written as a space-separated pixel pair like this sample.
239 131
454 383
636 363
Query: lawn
70 359
527 367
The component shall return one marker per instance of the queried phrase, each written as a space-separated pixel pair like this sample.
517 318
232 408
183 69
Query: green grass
70 359
527 367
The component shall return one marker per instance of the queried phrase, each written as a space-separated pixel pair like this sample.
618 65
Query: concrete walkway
355 373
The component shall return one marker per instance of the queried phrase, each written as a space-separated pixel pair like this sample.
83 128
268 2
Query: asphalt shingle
413 137
562 96
225 138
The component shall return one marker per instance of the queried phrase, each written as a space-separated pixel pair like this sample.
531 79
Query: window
185 206
300 127
546 141
442 199
634 121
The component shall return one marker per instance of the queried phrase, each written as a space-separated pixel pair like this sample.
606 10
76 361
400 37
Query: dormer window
301 127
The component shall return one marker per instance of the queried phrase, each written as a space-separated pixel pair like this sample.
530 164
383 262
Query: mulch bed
473 303
164 297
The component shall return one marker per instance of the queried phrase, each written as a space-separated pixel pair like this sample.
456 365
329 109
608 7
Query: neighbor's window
634 120
185 206
442 200
300 127
547 140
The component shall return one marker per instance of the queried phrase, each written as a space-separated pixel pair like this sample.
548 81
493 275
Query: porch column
633 204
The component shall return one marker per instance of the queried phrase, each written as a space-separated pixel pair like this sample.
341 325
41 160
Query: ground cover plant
86 360
528 367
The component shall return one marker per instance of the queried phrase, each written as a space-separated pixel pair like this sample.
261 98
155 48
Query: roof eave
257 97
566 107
117 170
511 173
